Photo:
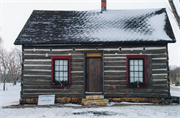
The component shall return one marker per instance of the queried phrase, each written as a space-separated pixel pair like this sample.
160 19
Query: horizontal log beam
77 83
81 64
114 55
122 77
125 91
142 90
136 51
36 78
37 72
159 66
150 95
114 63
159 56
159 76
159 82
57 95
38 67
115 83
77 74
159 61
38 62
74 68
48 90
48 57
49 87
114 73
77 78
54 52
114 59
52 92
159 71
114 68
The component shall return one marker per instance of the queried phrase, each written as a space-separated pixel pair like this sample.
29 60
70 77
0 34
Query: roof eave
108 42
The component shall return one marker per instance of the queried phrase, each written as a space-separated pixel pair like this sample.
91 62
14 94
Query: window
60 74
136 70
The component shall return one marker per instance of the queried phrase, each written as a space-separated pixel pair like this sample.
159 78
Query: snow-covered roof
111 26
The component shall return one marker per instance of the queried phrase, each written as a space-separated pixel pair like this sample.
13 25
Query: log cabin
119 54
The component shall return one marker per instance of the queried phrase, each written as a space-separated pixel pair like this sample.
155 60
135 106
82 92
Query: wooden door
93 74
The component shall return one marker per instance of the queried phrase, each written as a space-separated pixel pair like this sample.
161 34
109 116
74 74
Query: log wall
36 77
157 72
37 72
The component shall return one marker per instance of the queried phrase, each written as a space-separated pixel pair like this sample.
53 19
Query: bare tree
0 59
18 53
4 59
14 65
174 10
175 74
0 41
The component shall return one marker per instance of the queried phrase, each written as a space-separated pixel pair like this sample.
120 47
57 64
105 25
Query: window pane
65 78
65 68
131 68
61 62
57 78
141 79
136 68
136 74
131 74
140 62
61 78
140 74
140 68
65 74
61 68
131 79
56 68
56 62
65 62
61 74
131 62
135 62
136 79
56 74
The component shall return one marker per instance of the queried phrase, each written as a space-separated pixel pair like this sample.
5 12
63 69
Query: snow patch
128 103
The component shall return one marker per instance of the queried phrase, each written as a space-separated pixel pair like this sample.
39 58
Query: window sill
60 86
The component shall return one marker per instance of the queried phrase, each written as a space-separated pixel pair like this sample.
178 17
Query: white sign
46 99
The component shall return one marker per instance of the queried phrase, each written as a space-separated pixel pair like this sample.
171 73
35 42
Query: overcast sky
14 14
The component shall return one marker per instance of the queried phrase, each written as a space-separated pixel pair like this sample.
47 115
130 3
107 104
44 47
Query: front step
97 100
95 97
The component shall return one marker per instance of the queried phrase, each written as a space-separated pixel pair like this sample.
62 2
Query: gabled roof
111 26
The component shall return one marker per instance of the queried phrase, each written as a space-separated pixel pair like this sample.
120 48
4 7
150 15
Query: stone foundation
148 100
57 100
79 100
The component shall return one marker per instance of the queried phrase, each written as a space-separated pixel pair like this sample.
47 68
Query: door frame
85 71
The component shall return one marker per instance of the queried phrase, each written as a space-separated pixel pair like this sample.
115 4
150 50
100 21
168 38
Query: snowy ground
11 97
175 90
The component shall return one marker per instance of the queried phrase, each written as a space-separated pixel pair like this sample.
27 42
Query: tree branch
177 17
